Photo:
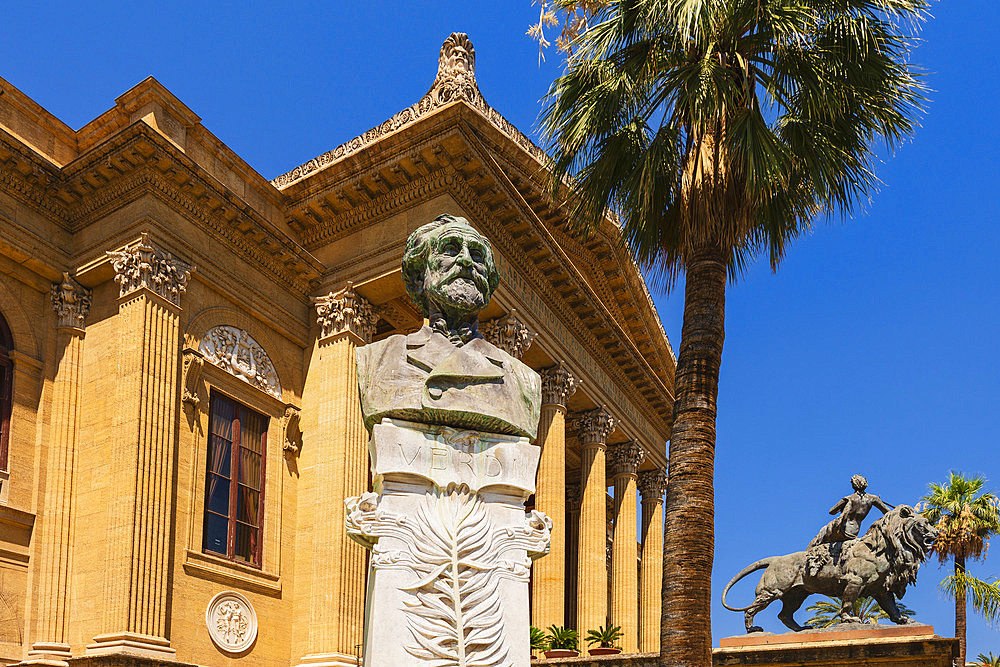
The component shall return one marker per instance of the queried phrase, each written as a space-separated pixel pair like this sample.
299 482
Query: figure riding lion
881 564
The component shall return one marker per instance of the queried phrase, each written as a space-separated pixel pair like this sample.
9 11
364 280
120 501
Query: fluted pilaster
572 551
593 427
549 573
136 605
652 484
333 463
71 303
623 465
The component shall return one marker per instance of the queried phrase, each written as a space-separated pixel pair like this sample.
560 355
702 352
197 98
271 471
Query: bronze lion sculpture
881 564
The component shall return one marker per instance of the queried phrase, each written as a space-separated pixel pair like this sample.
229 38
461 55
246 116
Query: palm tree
715 132
988 660
826 613
967 518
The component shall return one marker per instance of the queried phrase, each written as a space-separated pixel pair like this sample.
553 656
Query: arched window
6 380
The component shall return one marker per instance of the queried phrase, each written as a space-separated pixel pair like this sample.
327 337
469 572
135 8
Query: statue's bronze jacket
424 377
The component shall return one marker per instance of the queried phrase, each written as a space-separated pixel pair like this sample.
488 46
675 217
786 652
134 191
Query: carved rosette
558 385
144 267
457 557
345 311
573 498
236 352
509 334
291 434
625 458
71 301
652 484
193 361
594 427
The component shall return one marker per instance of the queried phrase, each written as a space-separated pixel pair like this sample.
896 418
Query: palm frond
984 595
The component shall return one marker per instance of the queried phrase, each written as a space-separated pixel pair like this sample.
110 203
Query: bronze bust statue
447 373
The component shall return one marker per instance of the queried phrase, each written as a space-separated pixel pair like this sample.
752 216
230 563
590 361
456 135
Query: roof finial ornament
456 77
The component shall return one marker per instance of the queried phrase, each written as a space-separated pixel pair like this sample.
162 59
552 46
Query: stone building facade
179 416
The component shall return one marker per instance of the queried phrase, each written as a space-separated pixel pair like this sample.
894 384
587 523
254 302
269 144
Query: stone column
549 574
509 334
594 427
333 464
71 302
652 484
623 464
141 457
572 551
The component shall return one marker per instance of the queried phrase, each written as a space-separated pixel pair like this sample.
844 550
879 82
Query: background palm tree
988 660
826 613
714 132
967 518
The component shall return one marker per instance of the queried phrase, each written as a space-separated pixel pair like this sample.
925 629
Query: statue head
859 483
449 269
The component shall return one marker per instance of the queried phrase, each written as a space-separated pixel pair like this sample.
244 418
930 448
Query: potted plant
605 638
562 642
539 642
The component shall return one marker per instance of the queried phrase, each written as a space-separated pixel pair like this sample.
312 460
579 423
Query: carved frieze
236 352
190 374
71 301
509 334
345 311
291 434
625 458
594 427
231 622
142 266
652 483
558 385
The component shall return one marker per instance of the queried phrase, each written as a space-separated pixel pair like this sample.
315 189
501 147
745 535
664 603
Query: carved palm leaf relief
456 619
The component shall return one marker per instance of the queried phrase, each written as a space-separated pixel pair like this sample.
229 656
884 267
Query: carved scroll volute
71 301
652 483
509 334
345 312
595 426
625 458
191 374
291 434
558 385
144 267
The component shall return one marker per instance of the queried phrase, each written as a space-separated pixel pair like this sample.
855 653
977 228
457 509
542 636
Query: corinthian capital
573 497
142 266
71 301
345 311
652 483
595 426
558 384
624 458
509 334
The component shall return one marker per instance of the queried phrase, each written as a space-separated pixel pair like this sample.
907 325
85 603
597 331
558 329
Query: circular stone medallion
231 621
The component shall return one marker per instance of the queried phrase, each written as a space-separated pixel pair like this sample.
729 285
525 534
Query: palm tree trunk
960 609
689 535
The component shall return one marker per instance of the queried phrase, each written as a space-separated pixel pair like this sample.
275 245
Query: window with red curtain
6 387
234 487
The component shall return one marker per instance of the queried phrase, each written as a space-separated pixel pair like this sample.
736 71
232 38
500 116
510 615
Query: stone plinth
856 644
820 649
451 545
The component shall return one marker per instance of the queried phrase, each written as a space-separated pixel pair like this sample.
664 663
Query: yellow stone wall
110 552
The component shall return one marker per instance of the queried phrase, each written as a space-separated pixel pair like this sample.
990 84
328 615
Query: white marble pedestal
451 546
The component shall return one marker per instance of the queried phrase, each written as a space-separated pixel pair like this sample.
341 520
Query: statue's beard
461 291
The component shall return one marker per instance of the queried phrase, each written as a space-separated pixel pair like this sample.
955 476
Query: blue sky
872 350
